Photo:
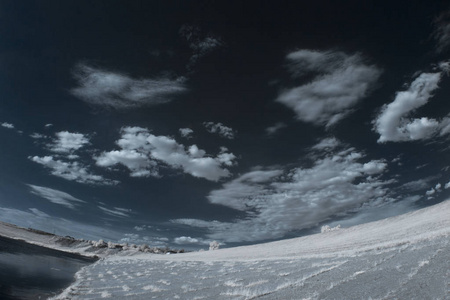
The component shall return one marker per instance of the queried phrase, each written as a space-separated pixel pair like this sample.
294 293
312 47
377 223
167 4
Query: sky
176 123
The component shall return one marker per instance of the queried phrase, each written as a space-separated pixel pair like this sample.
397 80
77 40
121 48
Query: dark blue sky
181 122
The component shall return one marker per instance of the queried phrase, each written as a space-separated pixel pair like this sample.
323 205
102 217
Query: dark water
32 272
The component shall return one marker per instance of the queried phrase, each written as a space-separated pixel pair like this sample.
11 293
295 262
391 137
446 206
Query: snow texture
404 257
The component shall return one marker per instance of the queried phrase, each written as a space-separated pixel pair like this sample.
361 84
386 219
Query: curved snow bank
404 257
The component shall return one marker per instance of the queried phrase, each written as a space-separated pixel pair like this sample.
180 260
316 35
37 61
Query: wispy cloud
441 32
271 130
56 196
7 125
200 44
220 129
141 152
73 171
117 90
394 124
116 211
341 81
37 219
277 201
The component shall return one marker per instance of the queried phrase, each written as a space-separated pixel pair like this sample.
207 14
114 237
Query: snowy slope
405 257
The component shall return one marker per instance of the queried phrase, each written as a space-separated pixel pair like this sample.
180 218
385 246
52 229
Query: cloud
341 81
105 88
441 32
42 221
37 136
419 185
67 142
73 171
55 196
220 129
138 163
116 211
271 130
279 200
327 144
186 132
200 44
134 238
39 213
394 124
142 152
187 240
7 125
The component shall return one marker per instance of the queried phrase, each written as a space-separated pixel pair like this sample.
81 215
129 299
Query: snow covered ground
405 257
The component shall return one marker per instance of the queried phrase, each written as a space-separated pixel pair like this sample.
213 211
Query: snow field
406 257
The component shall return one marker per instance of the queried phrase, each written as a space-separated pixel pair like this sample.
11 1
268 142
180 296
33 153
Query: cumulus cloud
271 130
73 171
186 132
142 152
116 211
394 124
220 129
341 81
279 200
111 89
7 125
441 32
56 196
67 142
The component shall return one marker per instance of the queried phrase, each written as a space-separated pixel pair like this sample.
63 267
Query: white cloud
37 136
55 196
67 142
73 171
442 31
7 125
48 125
220 129
447 185
110 89
194 161
342 80
277 201
186 132
327 144
142 152
138 163
187 240
116 211
271 130
394 124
